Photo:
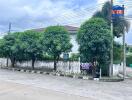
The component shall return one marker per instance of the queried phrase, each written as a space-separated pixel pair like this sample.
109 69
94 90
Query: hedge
129 60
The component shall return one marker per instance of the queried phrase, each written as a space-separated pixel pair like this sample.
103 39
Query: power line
75 17
88 8
71 16
79 13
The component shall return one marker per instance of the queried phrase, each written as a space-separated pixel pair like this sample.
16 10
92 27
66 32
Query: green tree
2 53
119 23
118 53
95 41
31 46
9 47
56 40
74 57
21 46
128 60
130 49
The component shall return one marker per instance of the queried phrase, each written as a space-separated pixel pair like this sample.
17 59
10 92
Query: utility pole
124 52
9 30
111 66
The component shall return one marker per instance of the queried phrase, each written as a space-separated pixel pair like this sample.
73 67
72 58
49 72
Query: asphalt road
14 91
25 86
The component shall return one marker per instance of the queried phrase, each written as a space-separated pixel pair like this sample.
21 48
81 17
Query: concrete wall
71 67
3 62
117 68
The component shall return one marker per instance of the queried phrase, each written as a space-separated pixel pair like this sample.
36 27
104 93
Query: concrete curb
27 71
111 80
126 77
22 70
85 77
61 74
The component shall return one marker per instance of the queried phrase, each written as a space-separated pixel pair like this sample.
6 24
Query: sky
30 14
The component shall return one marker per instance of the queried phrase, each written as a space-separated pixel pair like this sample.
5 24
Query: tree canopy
56 41
10 47
20 46
95 41
31 46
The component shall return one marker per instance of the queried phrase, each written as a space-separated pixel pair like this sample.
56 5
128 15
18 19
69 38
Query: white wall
70 67
117 68
3 62
74 43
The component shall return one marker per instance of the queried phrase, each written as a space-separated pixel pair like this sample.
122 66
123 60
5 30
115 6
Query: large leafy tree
56 41
95 41
120 24
21 46
9 47
30 46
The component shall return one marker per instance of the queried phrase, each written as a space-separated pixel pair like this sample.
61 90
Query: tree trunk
33 61
13 62
7 62
55 65
55 62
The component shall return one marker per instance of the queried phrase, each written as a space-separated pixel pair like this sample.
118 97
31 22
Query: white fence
70 67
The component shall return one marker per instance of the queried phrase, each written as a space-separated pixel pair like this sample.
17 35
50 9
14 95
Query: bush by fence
129 60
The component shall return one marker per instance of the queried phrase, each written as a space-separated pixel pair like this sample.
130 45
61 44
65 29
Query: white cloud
27 14
101 1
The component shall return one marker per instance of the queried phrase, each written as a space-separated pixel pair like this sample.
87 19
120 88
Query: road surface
14 91
27 86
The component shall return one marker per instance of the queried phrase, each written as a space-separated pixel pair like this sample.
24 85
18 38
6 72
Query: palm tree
120 24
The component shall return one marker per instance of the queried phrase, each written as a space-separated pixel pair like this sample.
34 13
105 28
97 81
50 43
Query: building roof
71 29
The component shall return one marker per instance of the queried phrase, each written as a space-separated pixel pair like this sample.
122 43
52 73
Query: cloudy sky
29 14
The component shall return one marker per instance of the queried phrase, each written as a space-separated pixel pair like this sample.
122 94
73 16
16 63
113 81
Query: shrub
74 57
129 60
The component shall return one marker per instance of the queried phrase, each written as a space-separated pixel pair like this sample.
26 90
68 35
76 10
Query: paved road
20 86
14 91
